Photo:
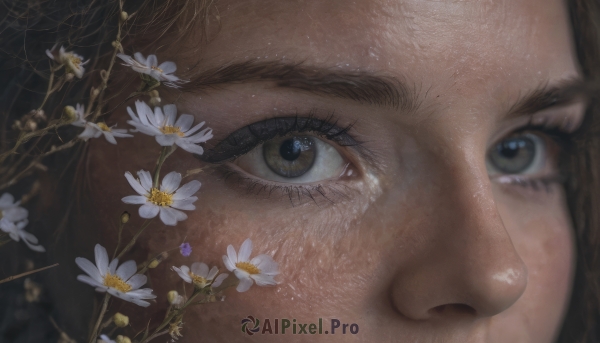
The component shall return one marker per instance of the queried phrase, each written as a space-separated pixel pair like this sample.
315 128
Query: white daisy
166 129
167 200
95 130
149 66
121 282
13 220
200 276
261 269
73 62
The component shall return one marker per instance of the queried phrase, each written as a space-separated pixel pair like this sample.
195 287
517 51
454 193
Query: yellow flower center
171 129
113 281
247 267
160 198
157 69
103 126
75 60
198 280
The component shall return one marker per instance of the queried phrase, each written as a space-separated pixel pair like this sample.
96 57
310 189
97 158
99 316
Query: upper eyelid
247 138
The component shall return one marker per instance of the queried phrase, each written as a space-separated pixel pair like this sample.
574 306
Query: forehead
395 34
452 42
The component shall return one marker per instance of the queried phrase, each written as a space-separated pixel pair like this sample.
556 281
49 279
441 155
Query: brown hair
28 28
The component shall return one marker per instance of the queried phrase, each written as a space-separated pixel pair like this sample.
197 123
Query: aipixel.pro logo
282 326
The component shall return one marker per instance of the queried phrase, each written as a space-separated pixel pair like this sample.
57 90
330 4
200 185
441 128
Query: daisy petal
213 271
126 270
228 263
187 190
135 199
101 259
189 147
170 114
184 122
170 182
148 211
232 255
183 274
244 285
89 268
168 67
145 180
245 251
219 280
135 184
90 281
137 281
200 269
167 217
166 140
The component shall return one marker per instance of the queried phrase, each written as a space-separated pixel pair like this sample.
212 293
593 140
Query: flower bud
124 16
95 92
69 114
124 217
171 296
123 339
39 114
153 264
30 125
155 101
120 320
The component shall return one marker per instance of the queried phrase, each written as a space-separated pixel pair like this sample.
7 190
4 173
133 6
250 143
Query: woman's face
431 211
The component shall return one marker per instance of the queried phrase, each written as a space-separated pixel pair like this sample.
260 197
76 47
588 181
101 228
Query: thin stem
121 224
94 333
110 66
159 163
25 137
10 278
158 334
134 239
17 177
49 90
165 152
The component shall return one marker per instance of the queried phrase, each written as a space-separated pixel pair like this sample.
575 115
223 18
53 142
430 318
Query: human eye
299 155
529 157
293 159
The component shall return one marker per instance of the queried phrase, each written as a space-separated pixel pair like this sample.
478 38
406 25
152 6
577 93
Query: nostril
453 310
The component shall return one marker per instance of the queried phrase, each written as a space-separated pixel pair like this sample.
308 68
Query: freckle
274 108
253 95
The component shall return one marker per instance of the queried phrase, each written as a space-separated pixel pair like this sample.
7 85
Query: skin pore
421 239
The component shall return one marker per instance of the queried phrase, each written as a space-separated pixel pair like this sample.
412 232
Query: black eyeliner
247 138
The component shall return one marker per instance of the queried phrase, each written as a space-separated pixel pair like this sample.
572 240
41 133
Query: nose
462 260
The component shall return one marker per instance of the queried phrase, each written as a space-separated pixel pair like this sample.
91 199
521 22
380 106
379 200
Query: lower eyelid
321 193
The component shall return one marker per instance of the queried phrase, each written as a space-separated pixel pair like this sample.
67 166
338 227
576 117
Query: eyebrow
545 96
363 87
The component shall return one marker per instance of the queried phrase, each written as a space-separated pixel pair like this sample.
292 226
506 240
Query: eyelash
328 129
562 138
234 146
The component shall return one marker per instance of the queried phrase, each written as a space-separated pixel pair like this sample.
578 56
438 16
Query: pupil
510 149
290 149
514 155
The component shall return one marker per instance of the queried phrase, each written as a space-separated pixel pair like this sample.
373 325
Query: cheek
542 235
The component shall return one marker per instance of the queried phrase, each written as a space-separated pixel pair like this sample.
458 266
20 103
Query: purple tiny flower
185 249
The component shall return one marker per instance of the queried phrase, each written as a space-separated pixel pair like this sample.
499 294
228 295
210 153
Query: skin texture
422 244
